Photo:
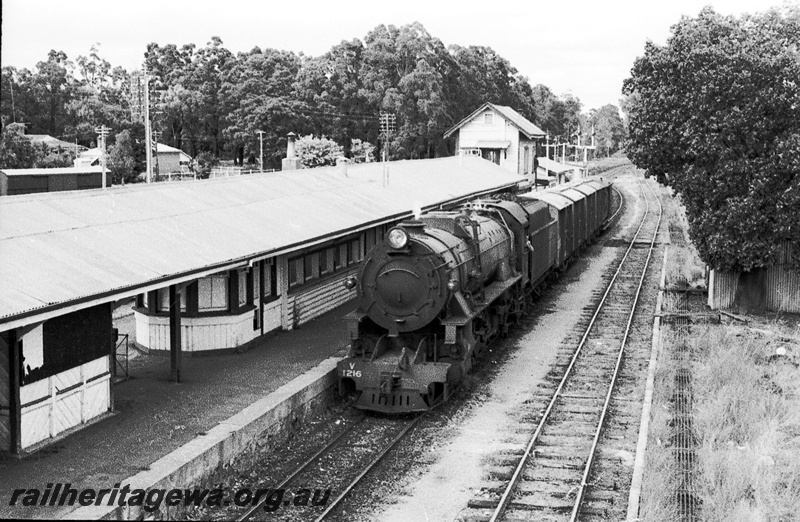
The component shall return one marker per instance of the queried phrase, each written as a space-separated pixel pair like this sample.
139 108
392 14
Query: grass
746 409
748 423
685 268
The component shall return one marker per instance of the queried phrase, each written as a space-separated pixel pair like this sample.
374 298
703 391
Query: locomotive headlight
398 238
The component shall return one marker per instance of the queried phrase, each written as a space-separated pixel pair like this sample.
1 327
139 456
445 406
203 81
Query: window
296 266
527 158
242 287
354 252
326 261
257 280
488 118
270 280
162 301
212 293
341 256
311 266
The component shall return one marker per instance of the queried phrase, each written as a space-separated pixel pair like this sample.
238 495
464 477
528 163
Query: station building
212 264
501 135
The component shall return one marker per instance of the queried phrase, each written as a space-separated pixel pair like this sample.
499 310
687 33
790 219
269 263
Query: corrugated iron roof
53 171
521 122
50 141
554 199
59 248
554 166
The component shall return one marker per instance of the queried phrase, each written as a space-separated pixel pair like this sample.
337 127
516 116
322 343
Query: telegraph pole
102 131
388 126
261 155
147 130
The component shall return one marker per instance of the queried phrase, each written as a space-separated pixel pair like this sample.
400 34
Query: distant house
54 143
170 159
499 134
88 158
167 160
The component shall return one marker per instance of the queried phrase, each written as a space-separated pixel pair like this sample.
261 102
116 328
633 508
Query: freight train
438 289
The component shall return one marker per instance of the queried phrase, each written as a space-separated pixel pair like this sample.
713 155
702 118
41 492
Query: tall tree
53 87
717 111
608 129
16 151
257 93
122 159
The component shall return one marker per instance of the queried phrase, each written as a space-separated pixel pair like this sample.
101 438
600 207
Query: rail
367 469
325 450
510 488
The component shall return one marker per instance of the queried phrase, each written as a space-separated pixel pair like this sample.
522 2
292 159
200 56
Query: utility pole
147 130
102 131
261 155
388 126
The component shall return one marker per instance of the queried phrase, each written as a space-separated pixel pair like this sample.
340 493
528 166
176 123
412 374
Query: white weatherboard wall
230 331
65 400
307 305
197 333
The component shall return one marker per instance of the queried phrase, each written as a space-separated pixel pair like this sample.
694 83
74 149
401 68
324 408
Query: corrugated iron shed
66 249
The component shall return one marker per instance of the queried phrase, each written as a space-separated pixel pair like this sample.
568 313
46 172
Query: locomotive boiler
431 295
438 289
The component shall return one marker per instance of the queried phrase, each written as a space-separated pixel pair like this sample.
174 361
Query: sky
579 47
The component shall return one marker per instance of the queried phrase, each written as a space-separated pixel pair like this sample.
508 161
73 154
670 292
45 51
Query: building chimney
342 162
291 161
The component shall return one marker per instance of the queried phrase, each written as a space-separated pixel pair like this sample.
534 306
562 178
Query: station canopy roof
65 251
492 144
555 166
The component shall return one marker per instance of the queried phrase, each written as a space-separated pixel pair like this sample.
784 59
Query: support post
175 332
14 381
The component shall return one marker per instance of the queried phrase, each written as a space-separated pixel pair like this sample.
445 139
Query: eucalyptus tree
716 110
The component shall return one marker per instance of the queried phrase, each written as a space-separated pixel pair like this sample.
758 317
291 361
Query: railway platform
156 421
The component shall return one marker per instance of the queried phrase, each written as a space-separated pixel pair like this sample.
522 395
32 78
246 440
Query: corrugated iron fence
776 288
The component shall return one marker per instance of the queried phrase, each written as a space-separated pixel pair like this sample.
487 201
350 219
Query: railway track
551 477
338 466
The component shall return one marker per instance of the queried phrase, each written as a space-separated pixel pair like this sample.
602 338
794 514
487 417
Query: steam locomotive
438 289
